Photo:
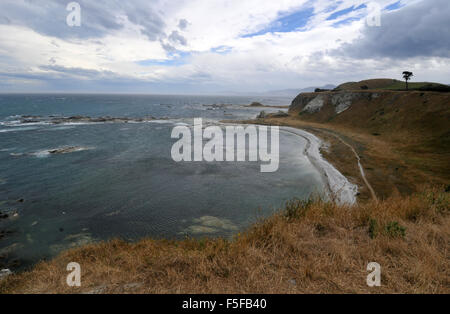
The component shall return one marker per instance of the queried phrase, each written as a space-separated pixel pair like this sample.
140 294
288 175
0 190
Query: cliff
412 117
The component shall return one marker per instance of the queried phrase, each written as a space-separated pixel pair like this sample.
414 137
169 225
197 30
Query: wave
60 128
41 154
18 129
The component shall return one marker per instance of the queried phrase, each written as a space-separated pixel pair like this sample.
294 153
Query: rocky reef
53 151
80 119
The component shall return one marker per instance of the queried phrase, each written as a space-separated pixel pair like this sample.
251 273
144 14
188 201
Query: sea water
125 184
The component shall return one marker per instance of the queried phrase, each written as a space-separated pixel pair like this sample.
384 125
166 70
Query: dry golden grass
309 247
392 167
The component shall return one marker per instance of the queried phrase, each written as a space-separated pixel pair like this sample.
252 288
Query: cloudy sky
211 46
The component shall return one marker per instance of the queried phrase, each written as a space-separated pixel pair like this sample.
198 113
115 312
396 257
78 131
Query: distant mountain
292 92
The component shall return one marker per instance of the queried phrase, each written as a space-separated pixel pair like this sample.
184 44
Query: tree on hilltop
407 76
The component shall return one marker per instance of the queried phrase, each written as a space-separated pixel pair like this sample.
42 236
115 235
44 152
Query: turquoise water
126 185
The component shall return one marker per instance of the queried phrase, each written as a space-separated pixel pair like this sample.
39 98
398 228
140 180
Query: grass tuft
322 247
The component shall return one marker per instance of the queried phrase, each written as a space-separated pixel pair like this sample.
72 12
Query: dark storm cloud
419 30
98 17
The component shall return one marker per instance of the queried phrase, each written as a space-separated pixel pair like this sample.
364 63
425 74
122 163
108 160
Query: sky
218 46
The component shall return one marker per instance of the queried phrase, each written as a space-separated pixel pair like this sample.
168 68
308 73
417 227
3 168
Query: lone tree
407 76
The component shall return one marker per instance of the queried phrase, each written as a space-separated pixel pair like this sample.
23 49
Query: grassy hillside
403 138
309 247
409 117
371 84
391 84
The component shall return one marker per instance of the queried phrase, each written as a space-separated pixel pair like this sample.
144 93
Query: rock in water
262 115
66 150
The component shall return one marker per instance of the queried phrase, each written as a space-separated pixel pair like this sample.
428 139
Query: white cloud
188 31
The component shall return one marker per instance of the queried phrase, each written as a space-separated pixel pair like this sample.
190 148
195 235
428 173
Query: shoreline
338 186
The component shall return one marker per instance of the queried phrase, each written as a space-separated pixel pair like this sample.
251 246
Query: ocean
124 183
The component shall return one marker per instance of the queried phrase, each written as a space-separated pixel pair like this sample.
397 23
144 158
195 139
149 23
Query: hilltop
392 84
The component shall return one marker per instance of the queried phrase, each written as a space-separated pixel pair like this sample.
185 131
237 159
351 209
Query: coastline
336 186
339 187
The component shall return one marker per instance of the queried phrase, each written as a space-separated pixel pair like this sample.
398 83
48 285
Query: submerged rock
216 106
11 248
67 150
73 241
210 225
8 213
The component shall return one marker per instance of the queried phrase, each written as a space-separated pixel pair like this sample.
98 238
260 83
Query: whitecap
161 121
21 124
68 127
16 154
17 129
17 116
78 123
41 154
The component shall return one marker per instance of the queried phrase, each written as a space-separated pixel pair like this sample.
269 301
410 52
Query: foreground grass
309 247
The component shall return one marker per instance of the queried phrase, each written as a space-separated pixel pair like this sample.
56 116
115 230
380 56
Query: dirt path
361 169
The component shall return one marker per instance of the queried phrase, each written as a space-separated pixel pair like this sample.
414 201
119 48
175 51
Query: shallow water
125 184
